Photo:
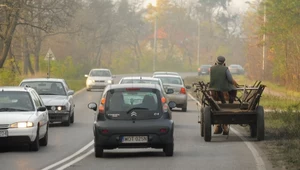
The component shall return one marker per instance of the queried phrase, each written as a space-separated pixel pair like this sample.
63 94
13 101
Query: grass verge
75 84
282 141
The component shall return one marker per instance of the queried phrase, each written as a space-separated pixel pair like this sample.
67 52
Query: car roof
164 72
104 69
133 85
43 79
141 78
167 75
14 88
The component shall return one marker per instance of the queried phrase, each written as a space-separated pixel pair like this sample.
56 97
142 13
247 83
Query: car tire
260 125
68 122
169 149
35 145
44 140
184 109
98 151
88 89
72 118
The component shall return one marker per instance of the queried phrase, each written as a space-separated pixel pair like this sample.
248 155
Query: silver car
99 79
176 83
57 97
148 80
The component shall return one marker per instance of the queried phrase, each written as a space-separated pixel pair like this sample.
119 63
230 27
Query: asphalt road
72 147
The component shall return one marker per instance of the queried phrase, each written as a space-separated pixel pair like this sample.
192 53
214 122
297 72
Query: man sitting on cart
221 81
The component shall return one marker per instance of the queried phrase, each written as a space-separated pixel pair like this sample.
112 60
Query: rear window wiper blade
137 108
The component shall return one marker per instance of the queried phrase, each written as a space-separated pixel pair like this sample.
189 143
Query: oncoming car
99 79
133 116
57 97
23 118
164 73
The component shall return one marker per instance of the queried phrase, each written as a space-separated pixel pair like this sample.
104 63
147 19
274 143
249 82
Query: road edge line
69 157
260 165
76 160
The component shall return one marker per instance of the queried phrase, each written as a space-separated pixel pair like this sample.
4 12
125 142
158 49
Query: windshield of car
100 73
15 101
126 103
46 87
170 80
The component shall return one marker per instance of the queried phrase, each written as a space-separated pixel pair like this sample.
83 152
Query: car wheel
35 145
68 122
88 89
72 117
98 151
44 140
184 108
169 149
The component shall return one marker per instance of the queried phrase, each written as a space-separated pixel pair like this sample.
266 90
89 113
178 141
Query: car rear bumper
179 99
117 130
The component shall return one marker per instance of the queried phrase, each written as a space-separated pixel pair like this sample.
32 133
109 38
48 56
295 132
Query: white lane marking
258 159
75 160
70 157
260 165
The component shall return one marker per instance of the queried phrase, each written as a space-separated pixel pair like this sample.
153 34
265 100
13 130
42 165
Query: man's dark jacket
219 81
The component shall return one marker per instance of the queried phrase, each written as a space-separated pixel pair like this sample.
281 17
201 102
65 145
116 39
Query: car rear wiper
137 108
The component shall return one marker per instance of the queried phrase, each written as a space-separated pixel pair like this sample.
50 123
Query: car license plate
3 133
135 139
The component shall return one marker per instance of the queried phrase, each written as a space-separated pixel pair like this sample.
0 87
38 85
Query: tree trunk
8 37
27 62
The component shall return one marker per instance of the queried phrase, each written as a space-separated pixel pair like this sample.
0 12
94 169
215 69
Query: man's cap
220 60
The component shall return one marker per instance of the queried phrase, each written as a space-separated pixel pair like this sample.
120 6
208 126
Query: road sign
49 55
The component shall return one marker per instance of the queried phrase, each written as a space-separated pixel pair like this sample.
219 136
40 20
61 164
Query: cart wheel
253 130
207 124
260 123
202 122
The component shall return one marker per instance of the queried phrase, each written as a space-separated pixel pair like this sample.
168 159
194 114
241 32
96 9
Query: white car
99 79
23 118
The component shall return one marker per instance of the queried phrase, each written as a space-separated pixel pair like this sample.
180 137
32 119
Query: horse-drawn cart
245 110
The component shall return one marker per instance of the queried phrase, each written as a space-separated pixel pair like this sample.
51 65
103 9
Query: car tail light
163 130
101 106
182 90
104 131
165 107
163 100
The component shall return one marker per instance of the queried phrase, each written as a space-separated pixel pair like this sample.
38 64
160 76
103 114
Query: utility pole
155 44
198 49
264 43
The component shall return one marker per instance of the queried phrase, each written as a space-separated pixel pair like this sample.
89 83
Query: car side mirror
86 75
172 105
92 106
170 91
41 109
188 87
70 92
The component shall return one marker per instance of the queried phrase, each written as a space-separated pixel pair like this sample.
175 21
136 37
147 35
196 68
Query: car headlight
58 108
109 81
89 81
21 125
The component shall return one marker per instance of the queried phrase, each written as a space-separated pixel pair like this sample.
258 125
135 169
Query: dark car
236 69
204 70
133 116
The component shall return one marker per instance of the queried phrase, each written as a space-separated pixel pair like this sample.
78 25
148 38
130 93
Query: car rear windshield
100 73
46 87
15 101
133 103
170 80
127 81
